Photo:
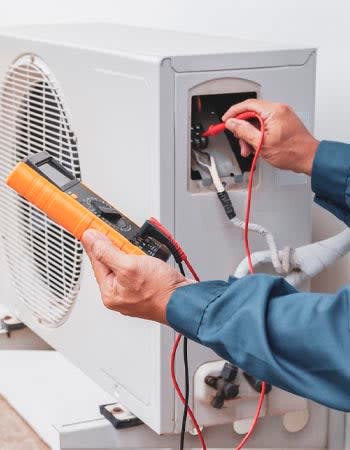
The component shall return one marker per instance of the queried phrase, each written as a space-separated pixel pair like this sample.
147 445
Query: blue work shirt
298 341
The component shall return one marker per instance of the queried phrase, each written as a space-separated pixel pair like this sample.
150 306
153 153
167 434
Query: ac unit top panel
188 51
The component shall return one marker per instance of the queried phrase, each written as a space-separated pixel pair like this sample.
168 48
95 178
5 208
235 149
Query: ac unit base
61 404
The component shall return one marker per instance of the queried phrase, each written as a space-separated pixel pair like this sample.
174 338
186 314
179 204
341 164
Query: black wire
187 382
187 392
173 250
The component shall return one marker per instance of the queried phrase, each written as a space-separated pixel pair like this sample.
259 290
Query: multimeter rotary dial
102 209
123 225
107 212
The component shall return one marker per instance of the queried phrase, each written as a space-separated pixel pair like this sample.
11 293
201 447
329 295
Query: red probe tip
213 130
218 128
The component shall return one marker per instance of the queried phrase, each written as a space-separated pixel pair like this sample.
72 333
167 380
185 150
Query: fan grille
44 260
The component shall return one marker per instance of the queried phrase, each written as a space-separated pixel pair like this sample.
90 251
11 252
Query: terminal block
233 169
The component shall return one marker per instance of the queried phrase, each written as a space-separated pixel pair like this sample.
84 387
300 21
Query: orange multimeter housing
45 183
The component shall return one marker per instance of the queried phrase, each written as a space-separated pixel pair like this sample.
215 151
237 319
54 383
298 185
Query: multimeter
48 185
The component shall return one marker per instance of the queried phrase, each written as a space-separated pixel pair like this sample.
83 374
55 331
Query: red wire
179 393
245 116
212 131
256 417
184 258
191 269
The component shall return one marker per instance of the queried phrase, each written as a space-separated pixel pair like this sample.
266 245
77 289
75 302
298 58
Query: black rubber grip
227 204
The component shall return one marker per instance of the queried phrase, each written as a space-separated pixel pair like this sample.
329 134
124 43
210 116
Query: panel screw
117 409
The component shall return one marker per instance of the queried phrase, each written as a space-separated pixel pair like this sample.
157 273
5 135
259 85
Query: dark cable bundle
227 204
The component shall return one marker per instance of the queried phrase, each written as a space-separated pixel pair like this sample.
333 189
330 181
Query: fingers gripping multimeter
45 183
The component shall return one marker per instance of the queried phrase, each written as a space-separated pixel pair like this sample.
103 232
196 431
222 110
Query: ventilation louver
45 261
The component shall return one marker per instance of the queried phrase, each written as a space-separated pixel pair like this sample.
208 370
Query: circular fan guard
44 260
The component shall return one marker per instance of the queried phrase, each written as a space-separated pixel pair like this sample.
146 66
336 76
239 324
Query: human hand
287 143
138 286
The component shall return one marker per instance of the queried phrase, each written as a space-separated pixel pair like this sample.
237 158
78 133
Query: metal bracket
119 416
10 323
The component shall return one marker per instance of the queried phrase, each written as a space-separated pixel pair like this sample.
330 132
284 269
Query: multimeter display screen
53 174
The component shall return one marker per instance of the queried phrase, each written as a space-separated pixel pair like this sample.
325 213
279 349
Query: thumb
101 249
245 131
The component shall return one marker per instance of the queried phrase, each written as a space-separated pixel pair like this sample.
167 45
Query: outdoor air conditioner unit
115 106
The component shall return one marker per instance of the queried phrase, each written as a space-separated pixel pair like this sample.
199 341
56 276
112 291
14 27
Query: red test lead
212 131
218 128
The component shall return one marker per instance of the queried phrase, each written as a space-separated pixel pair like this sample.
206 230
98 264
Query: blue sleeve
330 178
299 342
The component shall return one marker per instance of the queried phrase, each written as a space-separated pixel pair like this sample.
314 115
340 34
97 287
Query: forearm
330 178
296 341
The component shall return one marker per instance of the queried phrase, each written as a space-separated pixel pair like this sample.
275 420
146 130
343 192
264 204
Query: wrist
310 152
162 306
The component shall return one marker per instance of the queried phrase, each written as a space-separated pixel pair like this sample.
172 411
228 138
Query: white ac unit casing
127 92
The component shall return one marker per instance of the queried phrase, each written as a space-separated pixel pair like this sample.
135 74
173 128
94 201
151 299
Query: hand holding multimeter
138 286
45 183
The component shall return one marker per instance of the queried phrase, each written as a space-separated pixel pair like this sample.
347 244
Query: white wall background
314 22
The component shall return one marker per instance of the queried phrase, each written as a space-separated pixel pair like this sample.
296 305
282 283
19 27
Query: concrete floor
15 433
